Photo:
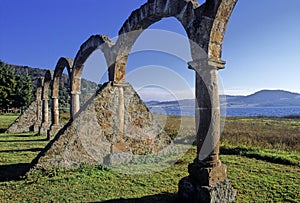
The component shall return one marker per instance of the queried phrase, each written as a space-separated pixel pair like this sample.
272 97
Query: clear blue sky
261 46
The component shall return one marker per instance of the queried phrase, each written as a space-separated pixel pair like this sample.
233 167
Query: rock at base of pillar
118 158
36 127
26 121
206 175
189 190
43 129
93 136
53 131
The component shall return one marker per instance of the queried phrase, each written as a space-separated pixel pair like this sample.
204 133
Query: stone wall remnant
93 137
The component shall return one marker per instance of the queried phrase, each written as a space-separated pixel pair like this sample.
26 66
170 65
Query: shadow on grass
159 198
22 150
13 171
2 130
252 153
22 135
36 140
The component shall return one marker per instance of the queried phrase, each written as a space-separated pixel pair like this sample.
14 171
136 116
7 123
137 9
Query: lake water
243 111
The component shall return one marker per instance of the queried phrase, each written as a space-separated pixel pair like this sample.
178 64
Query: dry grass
267 133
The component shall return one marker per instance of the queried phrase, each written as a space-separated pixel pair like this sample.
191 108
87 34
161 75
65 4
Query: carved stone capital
75 92
120 84
206 64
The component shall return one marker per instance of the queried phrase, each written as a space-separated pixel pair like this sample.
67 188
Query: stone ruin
117 121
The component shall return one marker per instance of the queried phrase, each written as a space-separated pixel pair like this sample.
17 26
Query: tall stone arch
45 102
62 64
205 26
95 42
139 20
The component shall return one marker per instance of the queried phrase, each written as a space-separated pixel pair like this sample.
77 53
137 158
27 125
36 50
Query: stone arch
102 42
218 30
45 100
47 82
205 26
62 64
139 20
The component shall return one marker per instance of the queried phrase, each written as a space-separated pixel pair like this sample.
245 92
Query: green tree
8 84
63 96
23 91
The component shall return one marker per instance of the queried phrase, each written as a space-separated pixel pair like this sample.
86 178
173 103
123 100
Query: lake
242 111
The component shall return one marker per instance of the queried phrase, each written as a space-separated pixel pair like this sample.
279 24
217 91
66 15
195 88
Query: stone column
75 102
38 121
207 180
120 152
120 146
45 121
75 92
55 111
55 125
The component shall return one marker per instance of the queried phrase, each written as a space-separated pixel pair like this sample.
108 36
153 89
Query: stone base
205 175
191 191
53 131
93 136
43 129
118 158
36 127
26 121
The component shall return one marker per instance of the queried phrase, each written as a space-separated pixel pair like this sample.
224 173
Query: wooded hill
88 88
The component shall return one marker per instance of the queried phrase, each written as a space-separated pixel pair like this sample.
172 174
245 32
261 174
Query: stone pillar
55 111
45 121
75 92
120 152
55 125
120 146
38 121
75 102
207 180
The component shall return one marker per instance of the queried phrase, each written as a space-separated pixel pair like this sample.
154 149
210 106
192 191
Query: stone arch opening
62 65
258 46
94 75
163 74
95 42
205 26
45 101
266 63
141 19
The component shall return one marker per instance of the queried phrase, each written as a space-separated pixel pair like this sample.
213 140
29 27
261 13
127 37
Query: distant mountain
263 98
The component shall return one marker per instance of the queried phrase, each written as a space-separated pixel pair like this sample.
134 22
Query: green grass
270 155
20 148
6 120
251 169
255 180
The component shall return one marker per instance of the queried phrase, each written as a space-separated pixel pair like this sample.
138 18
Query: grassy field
6 120
253 167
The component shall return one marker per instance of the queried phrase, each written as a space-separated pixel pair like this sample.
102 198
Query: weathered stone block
191 191
95 135
25 122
